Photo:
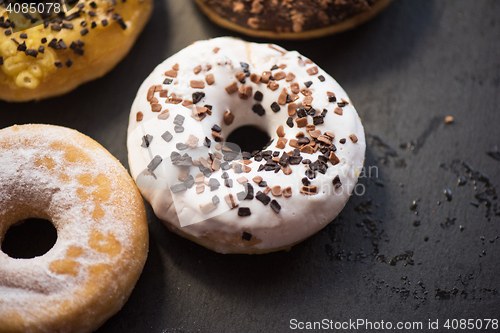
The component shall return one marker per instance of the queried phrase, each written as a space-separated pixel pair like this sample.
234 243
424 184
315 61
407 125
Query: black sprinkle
308 84
275 67
41 49
167 81
258 96
154 163
79 51
321 78
167 136
213 183
207 142
294 160
146 140
288 99
249 191
341 104
69 63
181 146
332 98
257 108
275 206
215 200
181 187
246 236
275 107
336 182
55 27
244 211
93 5
67 26
31 52
189 182
318 120
342 141
241 196
197 96
301 112
93 25
44 40
325 111
8 32
22 47
228 182
179 120
23 35
58 64
310 174
1 60
262 198
305 181
178 129
104 23
62 44
83 32
289 122
216 128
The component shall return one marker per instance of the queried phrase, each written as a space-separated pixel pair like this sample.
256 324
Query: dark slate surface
407 69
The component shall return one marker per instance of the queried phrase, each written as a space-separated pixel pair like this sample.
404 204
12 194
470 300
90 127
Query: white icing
301 215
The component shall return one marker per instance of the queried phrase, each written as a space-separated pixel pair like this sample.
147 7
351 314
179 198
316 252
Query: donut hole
29 238
249 138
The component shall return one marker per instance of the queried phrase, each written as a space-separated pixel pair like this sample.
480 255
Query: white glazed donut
57 174
254 203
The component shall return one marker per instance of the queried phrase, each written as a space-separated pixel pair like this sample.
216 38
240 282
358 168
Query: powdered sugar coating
58 174
221 229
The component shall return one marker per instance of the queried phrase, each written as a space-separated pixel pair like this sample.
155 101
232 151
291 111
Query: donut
290 19
61 52
57 174
202 187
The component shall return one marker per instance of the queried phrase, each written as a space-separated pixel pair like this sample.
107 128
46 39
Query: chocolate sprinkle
257 108
275 206
167 81
207 142
289 122
154 163
146 140
181 146
167 136
308 84
179 120
197 96
215 200
181 187
244 211
321 78
262 198
249 191
336 182
258 96
275 107
178 129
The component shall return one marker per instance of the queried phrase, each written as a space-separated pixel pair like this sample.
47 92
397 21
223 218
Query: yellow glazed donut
285 19
58 55
57 174
205 189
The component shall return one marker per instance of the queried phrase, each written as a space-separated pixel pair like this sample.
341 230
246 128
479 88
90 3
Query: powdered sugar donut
60 175
206 190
